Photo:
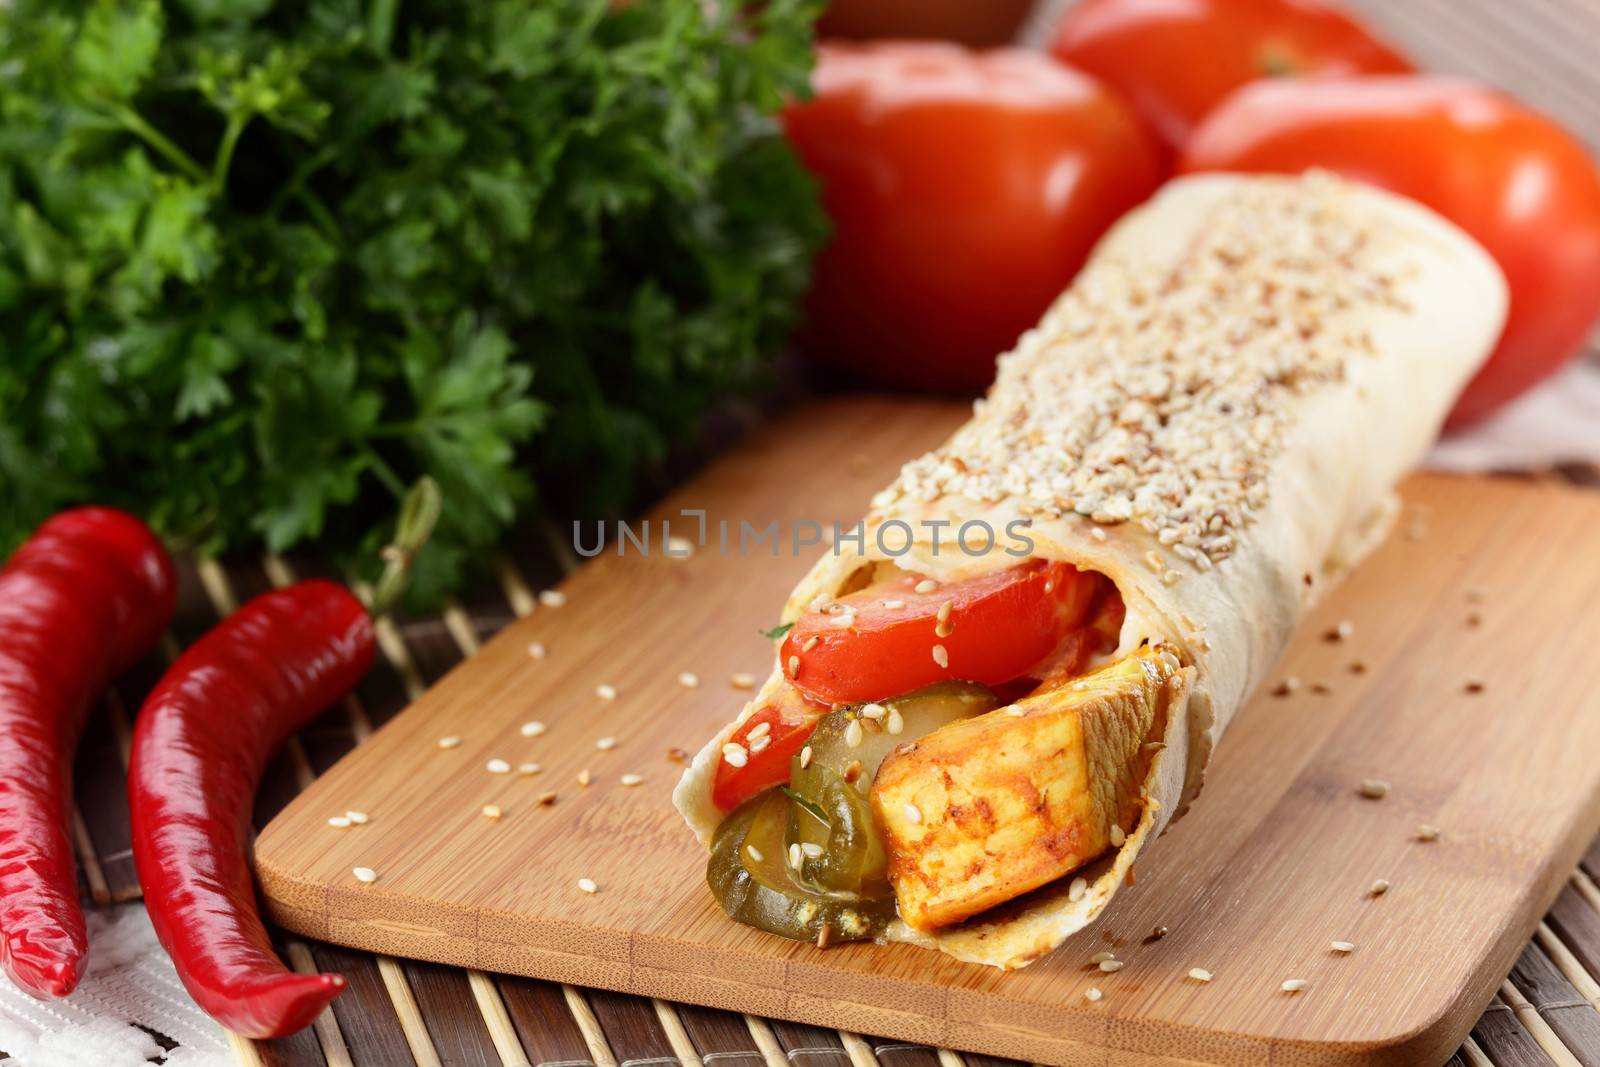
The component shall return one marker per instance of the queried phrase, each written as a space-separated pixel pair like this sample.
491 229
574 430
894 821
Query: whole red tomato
1517 182
966 189
1174 60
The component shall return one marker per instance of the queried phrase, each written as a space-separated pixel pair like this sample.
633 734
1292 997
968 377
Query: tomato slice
886 640
789 721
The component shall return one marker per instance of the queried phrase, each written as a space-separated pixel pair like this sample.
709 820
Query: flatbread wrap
995 692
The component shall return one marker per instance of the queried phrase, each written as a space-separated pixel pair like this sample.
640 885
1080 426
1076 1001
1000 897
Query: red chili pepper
82 600
199 747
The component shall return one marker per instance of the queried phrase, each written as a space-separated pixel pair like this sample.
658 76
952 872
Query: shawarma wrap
1200 438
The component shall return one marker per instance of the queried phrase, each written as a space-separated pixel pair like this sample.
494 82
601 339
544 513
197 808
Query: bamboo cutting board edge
633 961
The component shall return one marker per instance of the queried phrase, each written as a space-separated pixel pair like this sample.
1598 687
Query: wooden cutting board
1471 683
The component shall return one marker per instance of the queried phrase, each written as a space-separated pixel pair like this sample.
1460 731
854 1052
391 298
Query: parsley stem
237 121
380 467
135 123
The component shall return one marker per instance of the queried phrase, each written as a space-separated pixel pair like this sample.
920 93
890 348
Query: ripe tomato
1512 179
998 627
790 720
989 22
1174 60
966 189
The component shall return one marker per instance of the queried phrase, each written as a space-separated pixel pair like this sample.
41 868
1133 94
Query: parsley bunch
268 269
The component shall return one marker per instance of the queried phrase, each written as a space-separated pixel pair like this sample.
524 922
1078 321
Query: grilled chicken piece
984 809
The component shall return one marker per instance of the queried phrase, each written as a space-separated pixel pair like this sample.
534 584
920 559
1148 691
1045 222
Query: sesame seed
492 812
794 666
1474 685
606 744
1321 688
552 598
927 585
545 799
1101 957
584 778
1111 966
1158 933
531 729
795 855
450 742
689 680
810 642
631 779
843 621
1285 687
679 547
537 650
497 766
760 729
896 722
1118 836
810 850
1092 994
852 771
605 692
734 755
677 755
1200 974
1016 711
1380 887
1294 985
339 822
1374 788
358 818
742 680
1077 888
941 657
755 853
852 734
1341 632
1097 533
364 874
894 605
873 711
805 757
1474 618
1358 667
528 770
587 885
1426 832
913 813
1342 946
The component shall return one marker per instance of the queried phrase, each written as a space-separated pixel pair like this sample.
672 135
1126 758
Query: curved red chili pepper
199 747
82 600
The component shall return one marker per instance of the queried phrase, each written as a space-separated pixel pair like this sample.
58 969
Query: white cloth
1557 422
130 984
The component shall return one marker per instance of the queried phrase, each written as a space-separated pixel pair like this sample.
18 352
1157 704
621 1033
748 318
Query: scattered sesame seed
734 754
913 813
450 742
677 755
810 642
896 722
492 812
631 779
1118 836
1426 832
852 771
1101 957
852 734
927 585
1474 685
364 874
584 778
805 757
1200 974
810 850
1374 788
760 729
1294 985
1097 533
794 666
894 605
874 711
606 744
358 818
1358 667
759 744
843 621
1341 632
605 692
1342 946
795 855
497 766
552 598
689 680
1321 688
537 650
1077 888
531 729
1092 994
587 885
755 853
941 657
545 799
1474 618
1285 687
741 680
1111 966
339 822
1158 933
1380 887
528 770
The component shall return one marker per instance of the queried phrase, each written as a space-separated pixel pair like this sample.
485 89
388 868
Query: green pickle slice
842 884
